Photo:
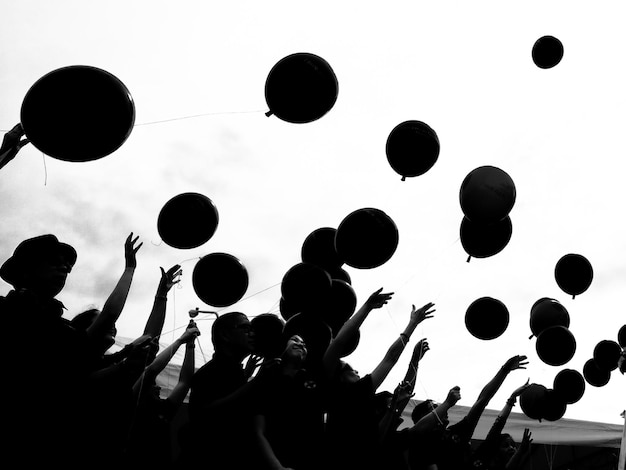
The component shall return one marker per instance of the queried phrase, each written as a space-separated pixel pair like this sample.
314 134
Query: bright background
463 67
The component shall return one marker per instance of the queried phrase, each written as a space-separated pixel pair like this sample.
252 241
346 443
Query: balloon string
45 169
196 116
255 294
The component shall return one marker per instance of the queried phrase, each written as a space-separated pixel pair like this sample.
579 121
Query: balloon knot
531 337
269 113
469 258
403 178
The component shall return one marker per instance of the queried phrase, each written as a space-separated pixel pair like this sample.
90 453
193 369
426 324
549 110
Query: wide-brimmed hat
33 250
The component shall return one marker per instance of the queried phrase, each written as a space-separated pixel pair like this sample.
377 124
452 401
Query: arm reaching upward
154 325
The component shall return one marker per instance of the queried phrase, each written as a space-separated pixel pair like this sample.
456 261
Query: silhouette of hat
33 250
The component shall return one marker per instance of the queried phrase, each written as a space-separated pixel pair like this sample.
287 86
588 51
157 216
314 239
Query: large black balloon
573 274
78 113
532 400
188 220
306 286
220 279
556 345
301 88
606 354
621 336
594 375
570 385
412 148
547 52
485 240
547 312
366 238
318 248
487 195
487 318
268 335
342 304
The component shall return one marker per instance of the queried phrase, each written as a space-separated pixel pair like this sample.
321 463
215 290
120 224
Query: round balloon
573 274
306 286
319 249
188 220
412 148
340 274
341 305
570 385
301 88
547 312
366 238
486 318
78 113
555 345
268 335
606 354
621 336
485 240
547 52
220 279
532 400
286 310
554 407
487 195
594 375
351 345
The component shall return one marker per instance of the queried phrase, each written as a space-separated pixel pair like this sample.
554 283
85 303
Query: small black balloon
220 279
532 400
485 240
301 88
412 148
547 312
621 336
573 274
554 407
318 248
306 286
487 318
556 345
341 305
78 113
594 375
286 310
188 220
606 354
570 385
547 52
487 194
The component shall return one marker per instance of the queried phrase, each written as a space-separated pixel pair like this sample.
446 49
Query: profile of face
295 350
47 276
348 374
507 447
241 335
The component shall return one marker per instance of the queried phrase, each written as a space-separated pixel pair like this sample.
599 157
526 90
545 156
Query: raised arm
439 415
11 144
187 369
379 374
156 320
411 373
350 327
117 299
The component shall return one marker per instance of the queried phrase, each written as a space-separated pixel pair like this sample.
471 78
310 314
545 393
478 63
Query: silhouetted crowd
270 397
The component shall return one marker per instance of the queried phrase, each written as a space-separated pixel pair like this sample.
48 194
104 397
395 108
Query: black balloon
78 113
366 238
486 318
412 148
569 384
340 274
594 375
556 345
485 240
220 279
268 335
547 52
554 406
301 88
318 248
532 400
188 220
342 304
573 274
487 195
547 312
351 344
621 336
306 286
286 310
606 354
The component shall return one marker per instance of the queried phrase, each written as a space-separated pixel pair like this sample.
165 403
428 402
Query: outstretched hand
419 351
130 250
516 362
378 299
11 144
454 395
403 392
422 313
526 441
190 334
168 279
518 391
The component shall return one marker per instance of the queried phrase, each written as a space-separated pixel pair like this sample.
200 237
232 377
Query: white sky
462 67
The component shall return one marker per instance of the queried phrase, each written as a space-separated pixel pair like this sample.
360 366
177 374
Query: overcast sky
464 68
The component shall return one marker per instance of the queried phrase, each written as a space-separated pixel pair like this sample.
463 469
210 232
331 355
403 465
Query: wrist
405 337
512 400
161 297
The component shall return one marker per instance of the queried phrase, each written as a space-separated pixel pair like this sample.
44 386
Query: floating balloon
220 279
573 274
286 310
301 88
486 318
606 354
554 407
555 345
594 375
342 304
487 195
547 52
306 286
315 333
532 400
621 336
268 335
340 274
319 249
366 238
569 384
78 113
187 220
484 240
547 312
412 148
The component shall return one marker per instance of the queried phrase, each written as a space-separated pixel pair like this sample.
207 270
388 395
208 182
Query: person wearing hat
46 360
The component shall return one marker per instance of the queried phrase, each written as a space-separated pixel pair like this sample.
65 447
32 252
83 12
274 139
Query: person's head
85 319
347 374
40 264
295 351
506 448
232 334
382 402
422 409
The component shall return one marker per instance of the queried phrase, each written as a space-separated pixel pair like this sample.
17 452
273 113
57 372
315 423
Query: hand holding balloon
11 144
